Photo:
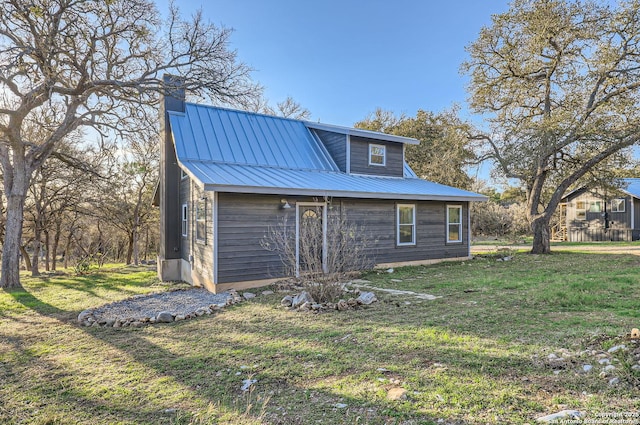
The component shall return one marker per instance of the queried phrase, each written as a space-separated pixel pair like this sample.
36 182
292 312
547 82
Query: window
377 155
581 210
454 223
183 175
617 205
596 206
201 220
406 218
184 219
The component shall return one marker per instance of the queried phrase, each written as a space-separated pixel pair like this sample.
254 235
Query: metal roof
235 151
362 133
237 137
282 181
632 188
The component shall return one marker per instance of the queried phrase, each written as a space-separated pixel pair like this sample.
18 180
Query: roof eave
340 193
361 133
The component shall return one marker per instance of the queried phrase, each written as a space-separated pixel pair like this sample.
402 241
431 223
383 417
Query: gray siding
201 262
185 198
595 220
336 144
244 221
202 250
359 154
378 218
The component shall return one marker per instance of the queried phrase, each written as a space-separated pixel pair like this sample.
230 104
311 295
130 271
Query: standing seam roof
240 151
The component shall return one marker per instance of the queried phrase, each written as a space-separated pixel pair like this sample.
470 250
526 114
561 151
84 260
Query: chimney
169 255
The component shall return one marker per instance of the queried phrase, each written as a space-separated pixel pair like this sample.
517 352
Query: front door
311 237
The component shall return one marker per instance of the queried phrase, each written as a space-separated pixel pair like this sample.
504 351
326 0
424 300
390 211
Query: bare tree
66 64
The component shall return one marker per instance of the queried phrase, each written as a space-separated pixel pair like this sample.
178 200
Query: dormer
357 151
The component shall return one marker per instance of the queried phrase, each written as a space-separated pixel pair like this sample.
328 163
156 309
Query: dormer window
377 154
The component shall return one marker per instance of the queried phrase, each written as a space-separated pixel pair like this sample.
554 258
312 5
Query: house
228 176
596 214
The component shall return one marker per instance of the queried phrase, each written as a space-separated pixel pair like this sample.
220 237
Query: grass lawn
479 354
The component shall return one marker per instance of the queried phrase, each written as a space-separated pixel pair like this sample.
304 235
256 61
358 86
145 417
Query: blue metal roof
632 188
237 137
255 179
235 151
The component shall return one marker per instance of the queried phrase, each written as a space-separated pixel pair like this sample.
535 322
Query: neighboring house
227 177
588 214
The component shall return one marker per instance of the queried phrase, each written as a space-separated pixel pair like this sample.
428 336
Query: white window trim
202 239
449 223
624 205
185 220
183 174
384 154
584 209
413 229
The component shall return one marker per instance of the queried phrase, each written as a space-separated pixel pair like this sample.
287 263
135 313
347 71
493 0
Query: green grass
476 355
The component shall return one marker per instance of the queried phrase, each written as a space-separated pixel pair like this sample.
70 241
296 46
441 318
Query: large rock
555 417
301 298
164 317
366 298
397 393
287 301
84 316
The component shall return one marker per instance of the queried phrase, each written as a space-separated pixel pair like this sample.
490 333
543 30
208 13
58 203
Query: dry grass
477 355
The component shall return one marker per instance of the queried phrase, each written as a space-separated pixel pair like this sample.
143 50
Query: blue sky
343 59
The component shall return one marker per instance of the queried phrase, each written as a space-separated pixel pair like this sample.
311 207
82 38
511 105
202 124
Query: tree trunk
541 240
25 257
130 248
35 271
10 277
54 248
47 251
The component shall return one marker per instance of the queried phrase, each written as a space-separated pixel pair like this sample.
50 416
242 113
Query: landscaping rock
614 381
389 270
301 298
267 292
246 384
84 316
287 301
342 305
587 368
248 295
617 348
565 414
366 298
397 393
164 317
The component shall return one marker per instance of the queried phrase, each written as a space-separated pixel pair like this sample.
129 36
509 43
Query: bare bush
327 249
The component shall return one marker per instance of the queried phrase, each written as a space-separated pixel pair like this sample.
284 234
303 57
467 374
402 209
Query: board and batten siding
621 220
245 220
359 155
378 220
185 198
197 254
336 145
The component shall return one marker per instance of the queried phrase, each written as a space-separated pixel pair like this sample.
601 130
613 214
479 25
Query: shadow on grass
210 379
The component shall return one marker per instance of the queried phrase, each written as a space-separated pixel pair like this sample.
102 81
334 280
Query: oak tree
67 64
559 83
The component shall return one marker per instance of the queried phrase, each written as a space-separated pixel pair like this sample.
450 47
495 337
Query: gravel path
181 302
